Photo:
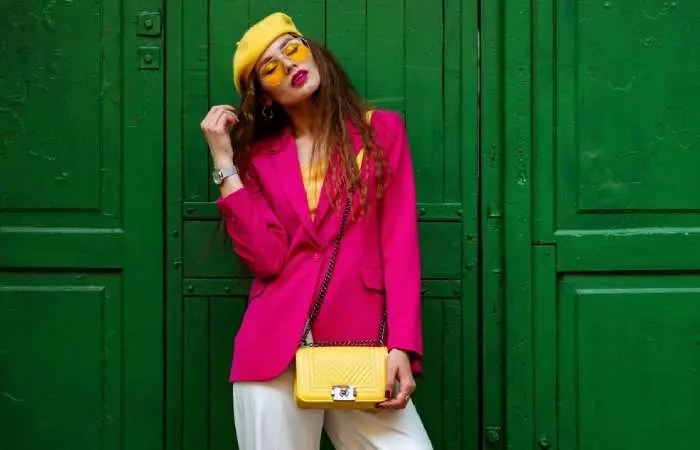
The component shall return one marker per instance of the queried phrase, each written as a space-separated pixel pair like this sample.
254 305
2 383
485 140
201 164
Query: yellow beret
255 41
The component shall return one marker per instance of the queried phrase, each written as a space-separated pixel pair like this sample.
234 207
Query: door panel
617 185
601 332
70 362
627 357
80 227
422 65
40 111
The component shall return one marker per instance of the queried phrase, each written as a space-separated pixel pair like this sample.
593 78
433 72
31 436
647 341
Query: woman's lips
299 78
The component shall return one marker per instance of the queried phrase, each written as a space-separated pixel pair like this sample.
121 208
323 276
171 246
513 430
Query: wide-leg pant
267 418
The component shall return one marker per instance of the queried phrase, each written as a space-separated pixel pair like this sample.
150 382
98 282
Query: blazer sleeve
258 237
399 241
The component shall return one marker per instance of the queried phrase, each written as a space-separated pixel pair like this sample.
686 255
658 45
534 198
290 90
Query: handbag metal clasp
343 393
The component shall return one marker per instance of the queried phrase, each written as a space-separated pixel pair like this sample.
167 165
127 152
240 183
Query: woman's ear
266 101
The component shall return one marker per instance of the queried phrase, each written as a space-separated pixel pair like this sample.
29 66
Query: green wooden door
599 152
421 63
80 227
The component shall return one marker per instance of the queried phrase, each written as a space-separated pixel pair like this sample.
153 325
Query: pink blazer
272 232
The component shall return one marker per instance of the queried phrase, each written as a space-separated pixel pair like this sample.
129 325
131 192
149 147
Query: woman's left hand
399 365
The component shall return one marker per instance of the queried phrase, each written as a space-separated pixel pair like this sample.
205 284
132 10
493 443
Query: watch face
216 175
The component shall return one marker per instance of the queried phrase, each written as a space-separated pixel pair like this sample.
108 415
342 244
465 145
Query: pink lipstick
299 78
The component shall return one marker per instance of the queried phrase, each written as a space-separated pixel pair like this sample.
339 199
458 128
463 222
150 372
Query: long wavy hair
337 103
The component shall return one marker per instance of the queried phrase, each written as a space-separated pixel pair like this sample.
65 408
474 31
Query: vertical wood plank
453 77
491 254
142 184
195 379
566 363
310 17
424 98
518 221
545 321
455 400
227 21
386 54
466 133
543 139
225 316
429 391
196 102
174 191
347 39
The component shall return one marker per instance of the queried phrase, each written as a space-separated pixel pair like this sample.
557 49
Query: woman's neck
302 118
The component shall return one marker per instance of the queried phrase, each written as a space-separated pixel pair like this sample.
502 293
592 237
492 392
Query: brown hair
338 103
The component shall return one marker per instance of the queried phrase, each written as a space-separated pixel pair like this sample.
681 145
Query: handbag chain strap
316 307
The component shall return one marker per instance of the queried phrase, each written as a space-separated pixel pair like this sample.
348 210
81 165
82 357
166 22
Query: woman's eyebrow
281 46
284 42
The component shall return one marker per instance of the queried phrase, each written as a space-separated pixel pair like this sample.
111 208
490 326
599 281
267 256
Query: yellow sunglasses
272 72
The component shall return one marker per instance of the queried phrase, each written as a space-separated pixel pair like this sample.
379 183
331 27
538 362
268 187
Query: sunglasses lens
272 73
296 51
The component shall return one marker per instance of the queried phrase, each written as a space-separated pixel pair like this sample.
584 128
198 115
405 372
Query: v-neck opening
313 177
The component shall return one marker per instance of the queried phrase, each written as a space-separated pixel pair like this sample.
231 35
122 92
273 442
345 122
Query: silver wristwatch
220 174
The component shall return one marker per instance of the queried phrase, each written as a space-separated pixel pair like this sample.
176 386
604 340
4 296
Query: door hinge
149 24
149 58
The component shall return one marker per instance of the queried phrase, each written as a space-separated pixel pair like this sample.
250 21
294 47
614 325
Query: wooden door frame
507 283
471 227
173 235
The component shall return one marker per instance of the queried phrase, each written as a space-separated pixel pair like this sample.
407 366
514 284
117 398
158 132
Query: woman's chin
299 95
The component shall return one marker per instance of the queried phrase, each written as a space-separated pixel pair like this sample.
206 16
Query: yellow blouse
313 176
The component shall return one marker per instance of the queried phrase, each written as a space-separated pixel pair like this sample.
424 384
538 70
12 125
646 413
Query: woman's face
287 71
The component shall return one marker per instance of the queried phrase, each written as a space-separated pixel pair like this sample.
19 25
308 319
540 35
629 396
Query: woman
299 147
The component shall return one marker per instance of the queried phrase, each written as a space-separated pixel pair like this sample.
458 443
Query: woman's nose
289 66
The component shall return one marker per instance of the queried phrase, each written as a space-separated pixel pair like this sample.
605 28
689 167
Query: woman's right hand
216 125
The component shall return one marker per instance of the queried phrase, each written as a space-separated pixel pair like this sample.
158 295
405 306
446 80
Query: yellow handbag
340 375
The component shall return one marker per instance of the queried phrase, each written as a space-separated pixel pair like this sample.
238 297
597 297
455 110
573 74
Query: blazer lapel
288 171
324 204
325 223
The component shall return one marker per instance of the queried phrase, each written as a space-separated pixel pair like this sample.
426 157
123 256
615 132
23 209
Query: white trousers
267 418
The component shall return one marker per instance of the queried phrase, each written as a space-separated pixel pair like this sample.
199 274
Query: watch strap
224 172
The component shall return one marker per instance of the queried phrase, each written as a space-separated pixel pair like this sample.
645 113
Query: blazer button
316 257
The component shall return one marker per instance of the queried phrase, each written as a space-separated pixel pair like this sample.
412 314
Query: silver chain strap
316 307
